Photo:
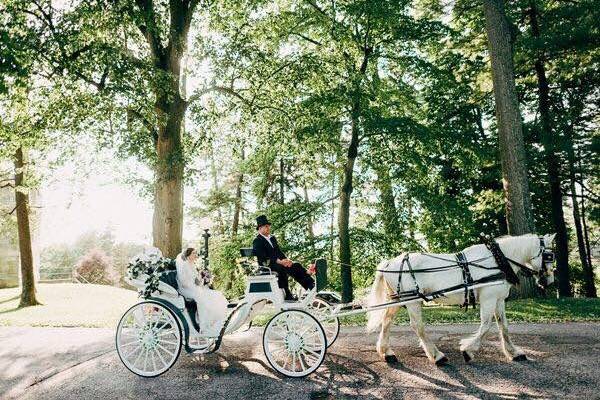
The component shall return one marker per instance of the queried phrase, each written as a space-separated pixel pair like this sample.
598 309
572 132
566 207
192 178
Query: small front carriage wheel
148 339
294 343
331 325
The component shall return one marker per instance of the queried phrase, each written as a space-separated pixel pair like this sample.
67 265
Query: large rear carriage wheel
148 339
294 343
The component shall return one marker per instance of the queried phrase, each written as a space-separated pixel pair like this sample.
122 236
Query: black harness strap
405 259
502 262
467 280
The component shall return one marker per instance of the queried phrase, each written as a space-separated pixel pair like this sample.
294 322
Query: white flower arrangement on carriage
151 334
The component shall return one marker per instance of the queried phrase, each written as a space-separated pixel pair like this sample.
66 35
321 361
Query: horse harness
502 264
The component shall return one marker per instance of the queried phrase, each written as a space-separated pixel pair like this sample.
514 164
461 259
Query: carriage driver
267 251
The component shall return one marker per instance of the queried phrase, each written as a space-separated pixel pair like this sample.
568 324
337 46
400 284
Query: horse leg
416 323
511 351
471 344
383 342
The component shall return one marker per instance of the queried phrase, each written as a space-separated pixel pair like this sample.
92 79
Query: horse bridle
547 259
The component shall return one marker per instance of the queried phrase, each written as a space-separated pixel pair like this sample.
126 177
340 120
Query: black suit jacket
266 254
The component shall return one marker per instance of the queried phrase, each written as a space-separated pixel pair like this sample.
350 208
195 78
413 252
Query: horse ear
548 239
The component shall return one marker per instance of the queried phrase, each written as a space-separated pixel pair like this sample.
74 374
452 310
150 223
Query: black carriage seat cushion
170 278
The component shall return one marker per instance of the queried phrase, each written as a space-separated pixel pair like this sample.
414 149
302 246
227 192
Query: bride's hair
187 253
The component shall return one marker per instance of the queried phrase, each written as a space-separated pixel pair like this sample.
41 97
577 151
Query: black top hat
262 220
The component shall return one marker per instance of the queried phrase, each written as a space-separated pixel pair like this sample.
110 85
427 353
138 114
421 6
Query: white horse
527 250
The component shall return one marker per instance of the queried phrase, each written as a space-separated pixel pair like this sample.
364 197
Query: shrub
96 267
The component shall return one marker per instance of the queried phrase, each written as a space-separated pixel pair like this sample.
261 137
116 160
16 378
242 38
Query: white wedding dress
212 305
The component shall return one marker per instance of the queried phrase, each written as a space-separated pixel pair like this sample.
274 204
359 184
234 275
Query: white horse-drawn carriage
150 334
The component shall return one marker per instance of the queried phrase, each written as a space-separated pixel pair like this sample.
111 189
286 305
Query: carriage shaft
397 303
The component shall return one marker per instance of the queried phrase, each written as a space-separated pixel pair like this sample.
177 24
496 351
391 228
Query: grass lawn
68 304
529 310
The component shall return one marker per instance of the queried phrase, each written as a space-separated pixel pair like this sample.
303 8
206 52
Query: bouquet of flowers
152 264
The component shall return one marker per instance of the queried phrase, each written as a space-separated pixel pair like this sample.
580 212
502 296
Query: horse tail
378 295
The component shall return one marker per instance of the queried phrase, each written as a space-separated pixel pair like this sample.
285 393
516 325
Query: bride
212 305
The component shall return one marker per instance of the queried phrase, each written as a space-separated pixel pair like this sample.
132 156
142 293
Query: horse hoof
442 361
520 357
391 359
466 356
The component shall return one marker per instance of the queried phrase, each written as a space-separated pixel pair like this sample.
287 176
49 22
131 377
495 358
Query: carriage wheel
331 325
294 343
148 339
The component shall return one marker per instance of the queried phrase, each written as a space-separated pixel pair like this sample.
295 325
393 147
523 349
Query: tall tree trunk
346 184
387 204
332 219
512 149
309 223
168 193
588 271
237 210
170 108
281 181
584 225
552 166
238 199
28 297
215 183
344 211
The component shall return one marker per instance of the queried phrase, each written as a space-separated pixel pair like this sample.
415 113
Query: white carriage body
165 311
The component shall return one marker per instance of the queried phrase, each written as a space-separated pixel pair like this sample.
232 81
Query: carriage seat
247 253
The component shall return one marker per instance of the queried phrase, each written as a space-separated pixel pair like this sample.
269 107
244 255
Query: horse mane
519 248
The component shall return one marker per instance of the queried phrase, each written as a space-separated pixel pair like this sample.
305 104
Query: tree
552 162
512 149
28 297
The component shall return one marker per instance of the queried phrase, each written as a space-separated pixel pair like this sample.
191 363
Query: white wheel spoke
132 351
130 343
145 359
153 361
302 365
169 352
312 352
162 360
306 356
138 357
165 333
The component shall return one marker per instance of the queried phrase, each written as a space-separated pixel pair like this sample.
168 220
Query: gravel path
73 363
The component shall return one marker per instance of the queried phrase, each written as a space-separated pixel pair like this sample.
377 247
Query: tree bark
28 291
346 184
215 182
387 203
344 211
170 107
309 222
552 166
167 226
238 199
588 271
512 149
585 231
